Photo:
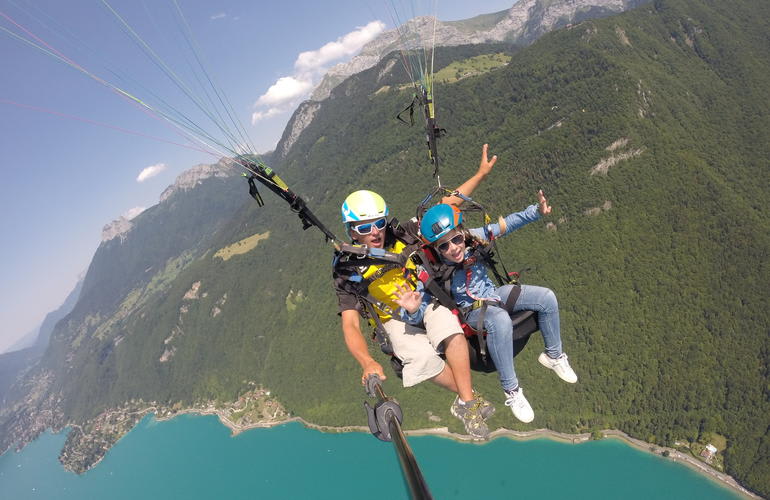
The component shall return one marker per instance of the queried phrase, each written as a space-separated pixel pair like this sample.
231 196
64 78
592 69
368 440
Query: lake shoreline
674 455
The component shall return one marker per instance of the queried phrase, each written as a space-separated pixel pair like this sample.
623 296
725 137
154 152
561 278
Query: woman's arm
515 221
467 187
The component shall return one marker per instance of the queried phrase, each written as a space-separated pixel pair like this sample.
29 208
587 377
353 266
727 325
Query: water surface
194 457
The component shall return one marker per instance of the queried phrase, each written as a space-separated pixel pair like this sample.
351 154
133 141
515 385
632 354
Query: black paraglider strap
409 108
266 176
254 192
379 329
480 331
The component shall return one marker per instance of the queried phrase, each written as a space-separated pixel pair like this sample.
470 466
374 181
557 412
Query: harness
443 274
370 274
357 267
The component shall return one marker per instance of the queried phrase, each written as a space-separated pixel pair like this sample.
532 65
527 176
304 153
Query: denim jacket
479 282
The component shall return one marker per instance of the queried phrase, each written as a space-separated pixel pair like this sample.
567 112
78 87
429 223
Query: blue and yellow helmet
438 221
363 205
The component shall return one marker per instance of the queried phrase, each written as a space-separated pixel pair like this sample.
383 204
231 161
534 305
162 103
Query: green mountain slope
125 274
14 364
649 133
659 261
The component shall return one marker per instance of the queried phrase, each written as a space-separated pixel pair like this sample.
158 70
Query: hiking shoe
470 415
487 408
560 365
519 405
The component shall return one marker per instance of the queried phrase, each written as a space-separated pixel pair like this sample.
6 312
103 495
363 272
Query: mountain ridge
520 24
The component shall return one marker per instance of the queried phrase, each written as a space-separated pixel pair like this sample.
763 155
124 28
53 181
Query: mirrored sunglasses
456 240
367 227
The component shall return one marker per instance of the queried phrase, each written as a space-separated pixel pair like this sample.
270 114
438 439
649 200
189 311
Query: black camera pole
385 423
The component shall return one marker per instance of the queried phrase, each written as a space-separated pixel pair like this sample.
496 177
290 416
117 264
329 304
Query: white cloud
286 89
262 115
133 212
344 46
220 15
287 92
150 171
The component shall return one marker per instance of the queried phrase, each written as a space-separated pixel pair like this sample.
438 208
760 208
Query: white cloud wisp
286 89
150 171
345 46
287 92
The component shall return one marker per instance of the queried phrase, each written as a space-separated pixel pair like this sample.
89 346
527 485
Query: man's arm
356 343
467 187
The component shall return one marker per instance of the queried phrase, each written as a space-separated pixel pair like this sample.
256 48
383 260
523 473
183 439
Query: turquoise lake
195 457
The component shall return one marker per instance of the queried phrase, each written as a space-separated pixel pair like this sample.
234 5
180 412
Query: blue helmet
438 221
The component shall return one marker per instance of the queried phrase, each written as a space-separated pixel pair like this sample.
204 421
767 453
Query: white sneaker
560 365
519 405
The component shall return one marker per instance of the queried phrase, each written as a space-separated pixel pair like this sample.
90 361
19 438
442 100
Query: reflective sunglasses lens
367 228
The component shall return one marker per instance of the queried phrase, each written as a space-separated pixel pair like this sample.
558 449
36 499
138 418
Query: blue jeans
499 327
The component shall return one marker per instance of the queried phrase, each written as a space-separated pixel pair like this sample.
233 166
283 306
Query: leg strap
512 298
480 332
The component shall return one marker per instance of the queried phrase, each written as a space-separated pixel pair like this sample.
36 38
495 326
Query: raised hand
545 208
407 298
485 166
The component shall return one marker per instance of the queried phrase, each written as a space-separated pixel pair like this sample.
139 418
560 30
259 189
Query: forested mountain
15 363
649 132
132 265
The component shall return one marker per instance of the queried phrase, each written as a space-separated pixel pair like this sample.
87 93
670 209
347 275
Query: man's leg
443 331
459 365
446 379
446 334
420 359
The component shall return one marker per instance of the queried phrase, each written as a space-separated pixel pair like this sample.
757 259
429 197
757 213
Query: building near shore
708 452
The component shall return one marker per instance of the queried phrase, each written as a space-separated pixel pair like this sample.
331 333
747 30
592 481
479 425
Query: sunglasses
456 240
367 227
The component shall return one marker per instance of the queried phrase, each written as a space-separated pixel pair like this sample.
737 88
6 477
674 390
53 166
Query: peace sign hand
545 208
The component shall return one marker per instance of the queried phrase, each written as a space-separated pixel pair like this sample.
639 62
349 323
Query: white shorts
419 349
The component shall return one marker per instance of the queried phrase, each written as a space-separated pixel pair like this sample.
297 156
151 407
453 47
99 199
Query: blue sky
64 176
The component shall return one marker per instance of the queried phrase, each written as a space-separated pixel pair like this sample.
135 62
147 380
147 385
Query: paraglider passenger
471 286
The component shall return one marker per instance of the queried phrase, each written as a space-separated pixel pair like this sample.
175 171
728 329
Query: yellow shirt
384 287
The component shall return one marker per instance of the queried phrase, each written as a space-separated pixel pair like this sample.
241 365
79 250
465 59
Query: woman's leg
497 323
542 300
499 327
